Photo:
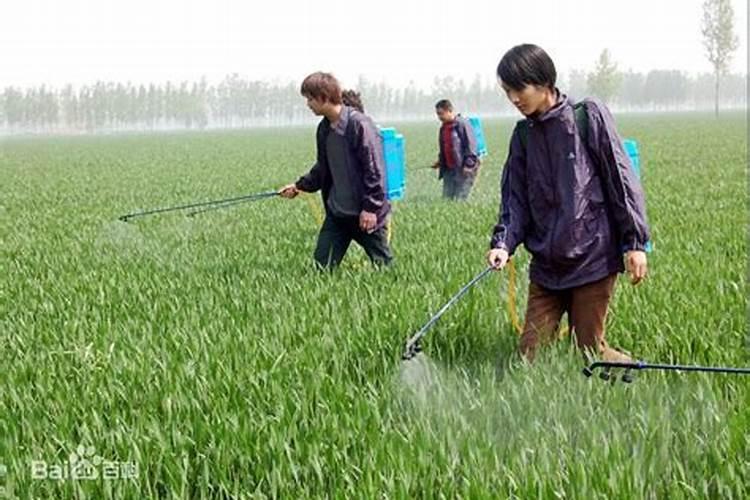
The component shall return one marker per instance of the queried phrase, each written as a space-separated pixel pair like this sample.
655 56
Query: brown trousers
586 306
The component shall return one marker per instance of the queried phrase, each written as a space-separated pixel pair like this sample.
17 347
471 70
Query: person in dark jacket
350 174
458 160
571 198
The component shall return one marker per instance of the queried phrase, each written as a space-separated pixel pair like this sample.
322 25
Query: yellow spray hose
512 297
315 210
389 228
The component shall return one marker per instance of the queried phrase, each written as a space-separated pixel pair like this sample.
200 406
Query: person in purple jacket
349 172
571 198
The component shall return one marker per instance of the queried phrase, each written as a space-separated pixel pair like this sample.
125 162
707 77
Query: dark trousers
338 232
457 184
586 306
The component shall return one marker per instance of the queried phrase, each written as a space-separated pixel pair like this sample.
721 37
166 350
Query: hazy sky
80 41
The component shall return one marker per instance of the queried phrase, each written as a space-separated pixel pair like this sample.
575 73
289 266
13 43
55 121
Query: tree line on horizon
237 102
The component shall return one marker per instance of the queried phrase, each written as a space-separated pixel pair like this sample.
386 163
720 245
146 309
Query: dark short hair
353 99
527 64
321 86
444 104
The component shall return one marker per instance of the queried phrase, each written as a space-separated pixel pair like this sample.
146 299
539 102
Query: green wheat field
207 358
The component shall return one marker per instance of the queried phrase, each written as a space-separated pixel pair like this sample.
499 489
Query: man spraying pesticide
350 172
570 196
458 161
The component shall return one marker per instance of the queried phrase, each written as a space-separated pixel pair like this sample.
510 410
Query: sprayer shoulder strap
581 119
350 131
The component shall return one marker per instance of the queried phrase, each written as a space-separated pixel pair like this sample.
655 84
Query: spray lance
413 346
629 367
202 206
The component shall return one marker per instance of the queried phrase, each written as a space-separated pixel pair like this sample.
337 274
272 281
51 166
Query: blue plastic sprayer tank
476 125
631 148
395 163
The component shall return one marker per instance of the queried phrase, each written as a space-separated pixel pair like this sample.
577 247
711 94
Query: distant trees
632 90
604 81
233 102
577 86
659 89
105 106
719 39
239 102
665 89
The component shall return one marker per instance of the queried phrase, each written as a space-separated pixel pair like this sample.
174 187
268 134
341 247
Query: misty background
79 66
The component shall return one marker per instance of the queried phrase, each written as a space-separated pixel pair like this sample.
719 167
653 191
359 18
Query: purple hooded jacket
365 163
575 207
